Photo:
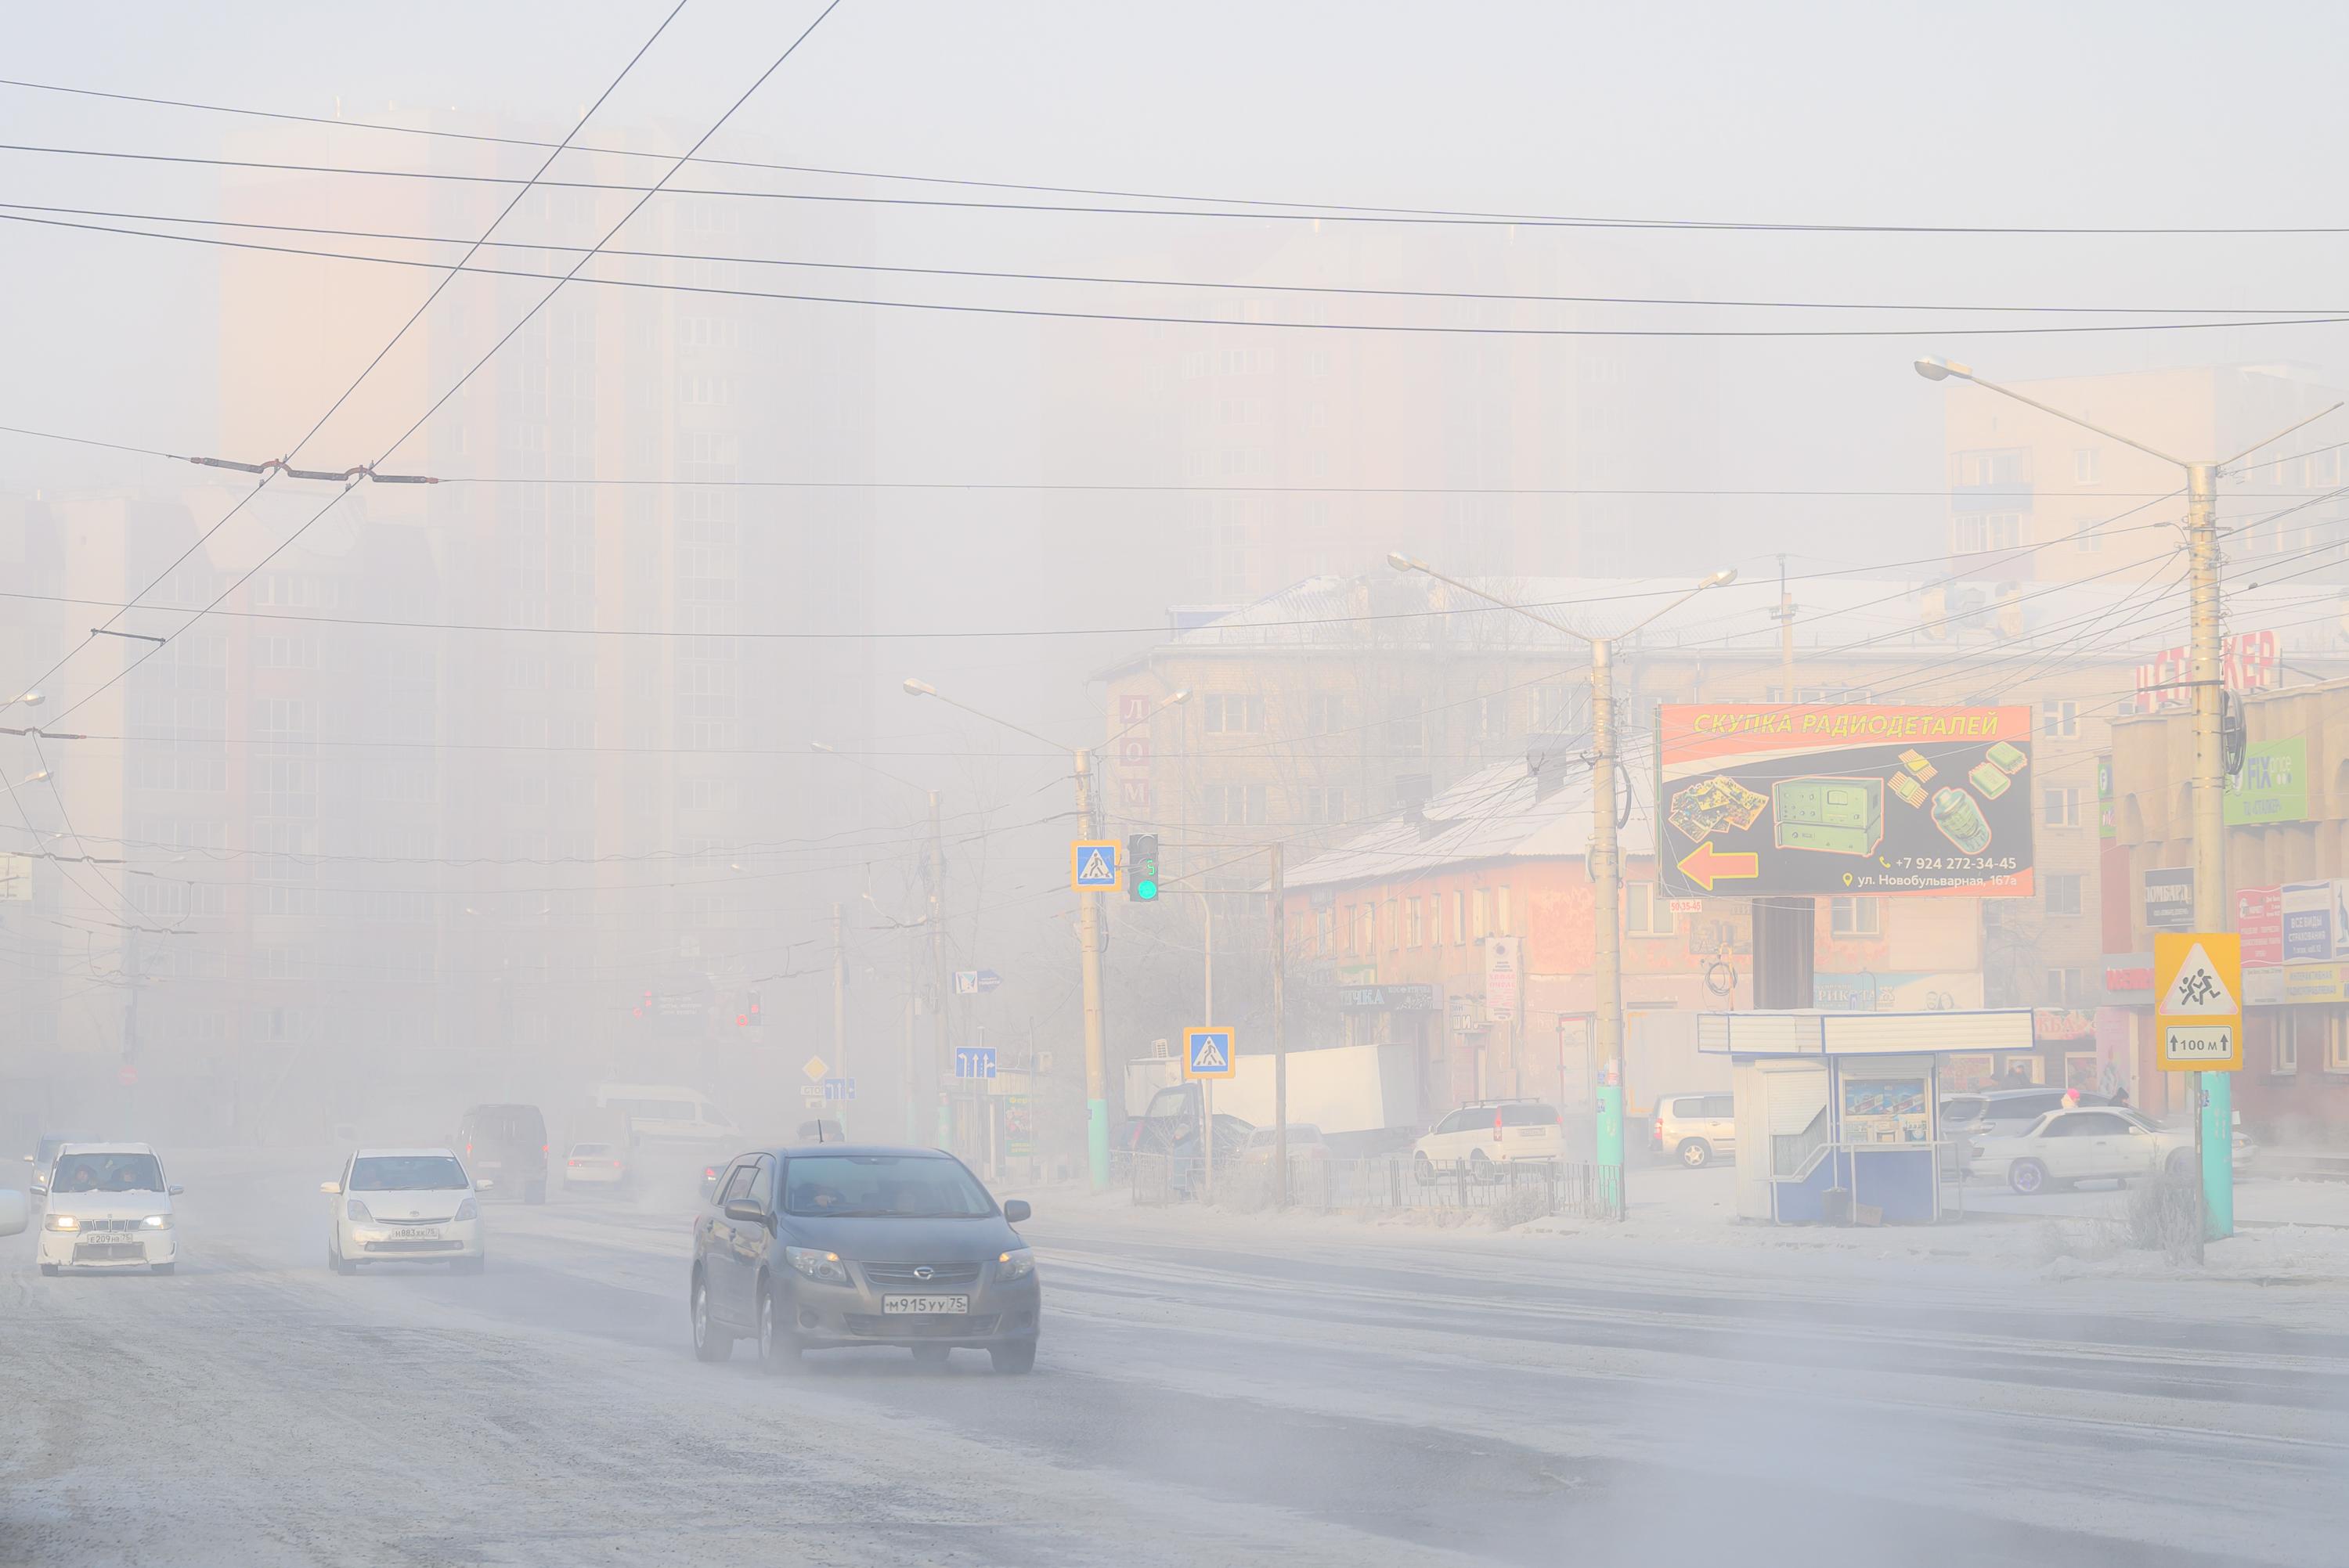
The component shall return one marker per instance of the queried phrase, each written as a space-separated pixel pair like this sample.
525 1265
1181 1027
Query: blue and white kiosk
1838 1112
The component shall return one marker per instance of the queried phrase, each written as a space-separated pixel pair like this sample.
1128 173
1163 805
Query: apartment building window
2087 466
1992 465
1366 915
2059 718
1989 530
1493 718
1406 730
2283 1057
1325 713
1561 709
1391 924
2085 536
1476 915
1646 912
2324 471
2066 988
2063 891
1501 926
2060 808
1324 924
1235 715
1459 918
1237 804
1410 923
1856 916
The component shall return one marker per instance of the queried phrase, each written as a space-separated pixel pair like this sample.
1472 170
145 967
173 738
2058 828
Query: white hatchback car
1489 1133
403 1205
2096 1143
107 1207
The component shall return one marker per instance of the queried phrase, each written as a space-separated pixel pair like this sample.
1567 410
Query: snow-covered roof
1489 815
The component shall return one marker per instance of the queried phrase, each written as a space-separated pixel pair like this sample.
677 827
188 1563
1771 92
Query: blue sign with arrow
974 1061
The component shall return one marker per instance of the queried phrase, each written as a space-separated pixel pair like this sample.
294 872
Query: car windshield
405 1173
884 1186
591 1148
108 1173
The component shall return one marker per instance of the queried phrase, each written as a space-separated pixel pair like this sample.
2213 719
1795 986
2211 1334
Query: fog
511 648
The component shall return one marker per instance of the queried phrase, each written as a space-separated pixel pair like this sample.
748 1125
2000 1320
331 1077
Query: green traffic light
1146 890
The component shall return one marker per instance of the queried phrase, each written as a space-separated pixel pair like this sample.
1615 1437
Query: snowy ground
1214 1388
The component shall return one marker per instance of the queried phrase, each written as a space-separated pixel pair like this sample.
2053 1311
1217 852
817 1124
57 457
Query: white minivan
665 1113
106 1206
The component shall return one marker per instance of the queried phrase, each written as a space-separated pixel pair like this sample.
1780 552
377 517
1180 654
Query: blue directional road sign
1207 1054
840 1089
974 1061
1093 864
988 980
971 982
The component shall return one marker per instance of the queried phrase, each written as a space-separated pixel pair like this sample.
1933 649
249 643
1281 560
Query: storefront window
2284 1047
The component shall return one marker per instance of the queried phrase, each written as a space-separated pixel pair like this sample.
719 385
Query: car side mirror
331 1189
41 1187
173 1191
747 1212
1015 1210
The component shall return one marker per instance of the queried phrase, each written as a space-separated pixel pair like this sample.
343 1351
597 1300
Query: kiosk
1839 1113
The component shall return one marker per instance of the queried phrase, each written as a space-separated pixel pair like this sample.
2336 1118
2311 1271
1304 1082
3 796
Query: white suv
1488 1133
107 1207
403 1205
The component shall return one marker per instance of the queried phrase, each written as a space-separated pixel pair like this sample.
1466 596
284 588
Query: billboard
1803 800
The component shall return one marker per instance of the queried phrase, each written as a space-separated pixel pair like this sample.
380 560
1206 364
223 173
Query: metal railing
1513 1190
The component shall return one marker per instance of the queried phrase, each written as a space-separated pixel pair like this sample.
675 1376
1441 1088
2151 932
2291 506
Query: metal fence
1512 1191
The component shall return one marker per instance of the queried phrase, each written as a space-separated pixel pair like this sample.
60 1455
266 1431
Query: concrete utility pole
1276 922
1088 925
2214 1095
1207 1016
1605 861
942 1047
839 991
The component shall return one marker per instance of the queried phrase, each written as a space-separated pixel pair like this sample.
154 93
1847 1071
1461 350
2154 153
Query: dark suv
508 1144
833 1244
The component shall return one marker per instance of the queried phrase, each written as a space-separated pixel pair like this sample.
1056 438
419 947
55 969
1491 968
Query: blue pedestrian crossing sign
1207 1054
1093 865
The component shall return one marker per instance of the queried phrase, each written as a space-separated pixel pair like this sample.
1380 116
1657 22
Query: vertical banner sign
1502 990
2258 921
2197 990
1801 799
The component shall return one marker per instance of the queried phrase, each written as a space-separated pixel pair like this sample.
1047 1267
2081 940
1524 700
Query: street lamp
2214 1125
1087 922
1606 863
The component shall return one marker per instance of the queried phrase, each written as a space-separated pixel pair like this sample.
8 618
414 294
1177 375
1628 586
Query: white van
664 1113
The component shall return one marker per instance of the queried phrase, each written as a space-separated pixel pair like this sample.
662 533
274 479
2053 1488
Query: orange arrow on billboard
1705 865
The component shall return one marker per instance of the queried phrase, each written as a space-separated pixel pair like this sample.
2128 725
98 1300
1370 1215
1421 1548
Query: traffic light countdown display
1142 856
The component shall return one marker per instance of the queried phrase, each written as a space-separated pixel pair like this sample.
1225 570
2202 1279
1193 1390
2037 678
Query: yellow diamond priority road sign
2198 989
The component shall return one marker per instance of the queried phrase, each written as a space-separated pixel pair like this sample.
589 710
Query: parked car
1304 1143
109 1208
1695 1129
595 1165
1488 1133
2096 1143
807 1249
403 1205
44 1154
508 1145
2006 1111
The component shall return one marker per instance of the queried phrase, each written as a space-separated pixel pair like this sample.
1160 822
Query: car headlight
1017 1263
157 1221
62 1222
817 1264
357 1212
468 1210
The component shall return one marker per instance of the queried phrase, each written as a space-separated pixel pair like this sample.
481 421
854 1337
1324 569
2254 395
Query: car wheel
2182 1163
935 1354
710 1344
50 1270
2027 1176
1695 1153
1425 1169
161 1268
779 1346
1479 1165
1020 1355
468 1265
336 1262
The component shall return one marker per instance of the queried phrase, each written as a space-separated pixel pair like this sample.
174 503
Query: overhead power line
1225 207
1427 329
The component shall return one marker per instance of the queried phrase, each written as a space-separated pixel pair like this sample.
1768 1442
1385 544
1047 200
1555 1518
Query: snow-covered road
1211 1390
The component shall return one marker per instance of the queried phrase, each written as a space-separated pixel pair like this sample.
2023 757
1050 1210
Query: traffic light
758 1018
1141 858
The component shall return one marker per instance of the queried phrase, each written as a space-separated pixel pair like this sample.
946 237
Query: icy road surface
1211 1390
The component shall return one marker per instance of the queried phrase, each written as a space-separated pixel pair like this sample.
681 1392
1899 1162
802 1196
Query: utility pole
1607 932
2214 1119
1277 920
1088 943
839 991
1786 636
1207 1015
942 1056
2213 1092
